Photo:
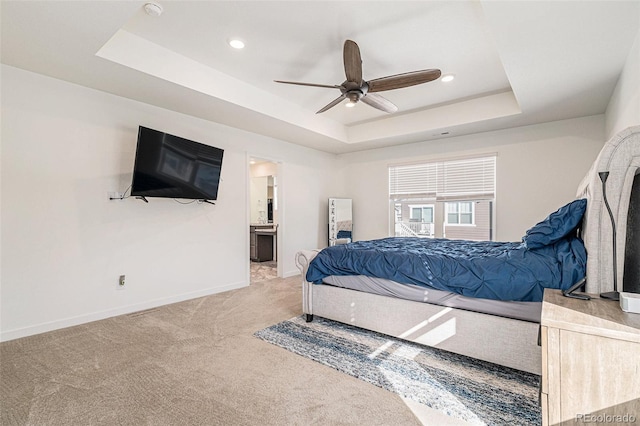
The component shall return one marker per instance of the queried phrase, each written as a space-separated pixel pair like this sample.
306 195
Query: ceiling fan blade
379 102
331 104
330 86
352 62
399 81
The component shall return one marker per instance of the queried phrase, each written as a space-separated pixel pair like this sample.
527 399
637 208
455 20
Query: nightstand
590 361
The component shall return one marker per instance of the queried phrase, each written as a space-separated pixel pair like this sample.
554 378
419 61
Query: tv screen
169 166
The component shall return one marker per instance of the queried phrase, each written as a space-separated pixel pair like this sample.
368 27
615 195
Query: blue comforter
483 269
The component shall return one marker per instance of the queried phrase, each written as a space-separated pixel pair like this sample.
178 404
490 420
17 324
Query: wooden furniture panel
262 239
553 372
591 361
607 381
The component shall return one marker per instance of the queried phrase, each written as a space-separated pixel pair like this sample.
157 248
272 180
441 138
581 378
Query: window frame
422 207
459 212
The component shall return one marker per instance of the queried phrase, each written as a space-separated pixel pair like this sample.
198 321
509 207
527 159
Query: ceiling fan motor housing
354 91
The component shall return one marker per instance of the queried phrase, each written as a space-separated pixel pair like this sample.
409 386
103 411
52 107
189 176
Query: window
460 213
456 196
421 213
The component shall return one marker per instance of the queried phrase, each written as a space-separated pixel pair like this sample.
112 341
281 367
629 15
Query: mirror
340 221
263 199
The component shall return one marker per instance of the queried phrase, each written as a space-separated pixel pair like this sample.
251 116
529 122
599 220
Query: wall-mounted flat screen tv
169 166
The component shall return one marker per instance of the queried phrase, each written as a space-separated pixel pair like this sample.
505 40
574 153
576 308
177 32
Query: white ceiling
515 62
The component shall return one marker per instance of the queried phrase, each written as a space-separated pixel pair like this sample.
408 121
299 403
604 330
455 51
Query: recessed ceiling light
448 77
153 9
236 43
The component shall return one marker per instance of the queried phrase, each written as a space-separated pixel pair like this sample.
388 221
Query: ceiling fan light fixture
447 78
354 97
236 43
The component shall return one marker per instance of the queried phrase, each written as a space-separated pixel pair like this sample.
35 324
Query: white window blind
473 178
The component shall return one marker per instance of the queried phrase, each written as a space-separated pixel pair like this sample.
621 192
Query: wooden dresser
590 362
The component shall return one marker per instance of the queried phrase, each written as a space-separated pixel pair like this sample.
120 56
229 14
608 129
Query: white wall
538 170
624 106
64 244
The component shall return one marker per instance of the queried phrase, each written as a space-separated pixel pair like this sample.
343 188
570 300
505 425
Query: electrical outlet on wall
121 282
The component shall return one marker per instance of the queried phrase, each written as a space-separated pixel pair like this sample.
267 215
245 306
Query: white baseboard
96 316
290 273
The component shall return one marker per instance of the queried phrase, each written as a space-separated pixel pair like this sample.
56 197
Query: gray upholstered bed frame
509 342
491 338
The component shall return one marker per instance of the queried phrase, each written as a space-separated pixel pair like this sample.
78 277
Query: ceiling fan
355 89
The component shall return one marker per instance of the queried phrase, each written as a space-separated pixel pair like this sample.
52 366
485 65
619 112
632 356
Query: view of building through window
445 199
460 213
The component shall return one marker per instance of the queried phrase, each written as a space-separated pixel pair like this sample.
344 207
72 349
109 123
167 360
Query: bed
449 313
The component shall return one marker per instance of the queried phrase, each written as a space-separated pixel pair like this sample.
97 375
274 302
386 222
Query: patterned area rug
465 388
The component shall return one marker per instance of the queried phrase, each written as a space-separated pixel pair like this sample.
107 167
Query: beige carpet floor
189 363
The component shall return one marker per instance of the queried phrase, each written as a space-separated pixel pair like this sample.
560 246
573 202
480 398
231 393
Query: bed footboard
505 341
